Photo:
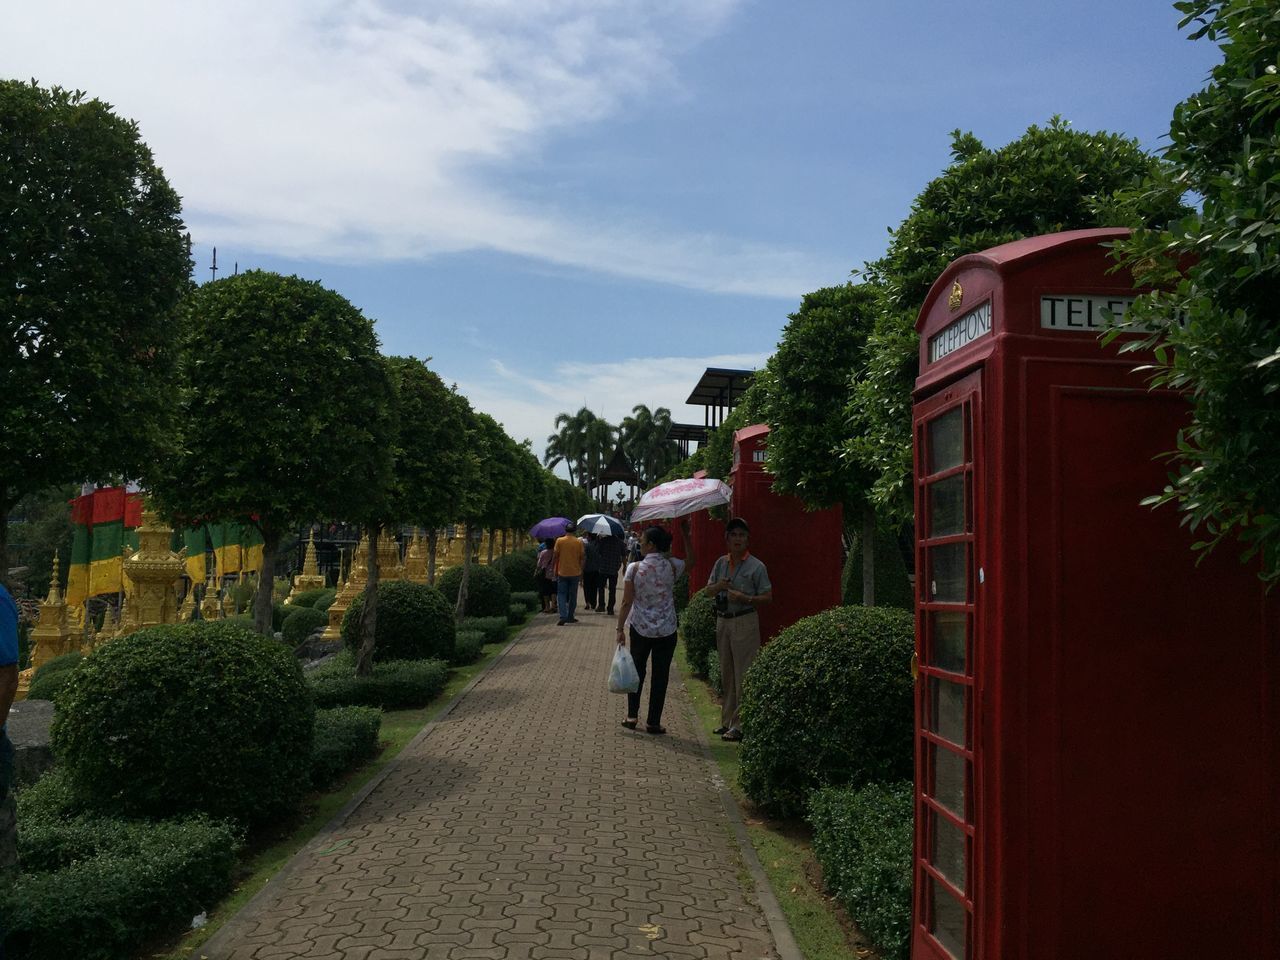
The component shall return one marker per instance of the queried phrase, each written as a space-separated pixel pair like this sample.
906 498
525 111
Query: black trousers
661 649
591 588
610 580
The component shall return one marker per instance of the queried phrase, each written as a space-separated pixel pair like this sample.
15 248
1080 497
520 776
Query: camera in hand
722 602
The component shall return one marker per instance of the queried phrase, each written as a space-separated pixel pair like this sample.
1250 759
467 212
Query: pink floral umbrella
675 498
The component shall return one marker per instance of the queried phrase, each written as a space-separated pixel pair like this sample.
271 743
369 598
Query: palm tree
644 440
582 442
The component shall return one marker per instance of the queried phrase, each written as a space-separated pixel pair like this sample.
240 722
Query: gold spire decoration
310 578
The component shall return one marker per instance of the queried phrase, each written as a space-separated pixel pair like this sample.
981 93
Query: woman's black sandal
654 728
630 724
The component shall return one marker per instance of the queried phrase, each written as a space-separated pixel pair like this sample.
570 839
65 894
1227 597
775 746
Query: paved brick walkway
527 823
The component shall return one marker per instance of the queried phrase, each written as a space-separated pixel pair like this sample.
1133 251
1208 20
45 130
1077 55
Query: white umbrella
599 524
675 498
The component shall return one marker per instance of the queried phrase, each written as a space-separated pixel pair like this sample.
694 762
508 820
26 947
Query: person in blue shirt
8 688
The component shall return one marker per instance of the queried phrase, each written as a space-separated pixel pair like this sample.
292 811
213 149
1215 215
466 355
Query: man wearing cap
567 564
739 583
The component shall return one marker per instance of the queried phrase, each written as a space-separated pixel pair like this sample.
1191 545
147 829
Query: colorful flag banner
81 538
194 540
115 516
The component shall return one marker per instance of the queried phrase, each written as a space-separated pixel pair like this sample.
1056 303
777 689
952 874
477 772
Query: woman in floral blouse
649 609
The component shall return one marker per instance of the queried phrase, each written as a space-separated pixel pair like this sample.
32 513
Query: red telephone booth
802 549
1096 714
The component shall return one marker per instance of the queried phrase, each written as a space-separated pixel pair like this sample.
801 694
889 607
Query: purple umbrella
550 528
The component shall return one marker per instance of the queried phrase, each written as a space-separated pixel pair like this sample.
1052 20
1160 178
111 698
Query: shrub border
225 938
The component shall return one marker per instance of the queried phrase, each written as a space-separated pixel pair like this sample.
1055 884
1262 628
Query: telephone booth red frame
1096 718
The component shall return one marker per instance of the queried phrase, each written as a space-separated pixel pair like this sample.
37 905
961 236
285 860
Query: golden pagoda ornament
310 578
389 566
415 559
154 571
52 636
338 609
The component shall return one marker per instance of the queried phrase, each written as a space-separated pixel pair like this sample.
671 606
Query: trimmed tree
285 409
95 263
1051 178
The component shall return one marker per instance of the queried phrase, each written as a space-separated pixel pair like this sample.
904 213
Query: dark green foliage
518 567
201 717
53 676
344 736
393 685
51 798
863 840
90 345
680 592
99 887
1224 145
528 598
488 593
316 599
698 631
713 673
415 622
893 589
278 612
516 614
494 629
301 623
828 703
468 647
1051 178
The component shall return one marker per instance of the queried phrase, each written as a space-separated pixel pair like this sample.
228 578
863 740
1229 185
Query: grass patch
398 728
816 920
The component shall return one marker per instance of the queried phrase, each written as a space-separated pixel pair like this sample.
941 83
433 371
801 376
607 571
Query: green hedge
393 685
863 839
893 589
713 674
200 717
488 592
415 622
301 623
828 702
344 737
468 647
53 676
528 598
494 629
316 599
518 569
681 592
698 630
100 888
516 614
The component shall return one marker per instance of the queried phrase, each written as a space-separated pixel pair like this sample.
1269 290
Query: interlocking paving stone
527 823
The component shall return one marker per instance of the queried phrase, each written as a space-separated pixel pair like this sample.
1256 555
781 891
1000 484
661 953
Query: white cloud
373 129
527 405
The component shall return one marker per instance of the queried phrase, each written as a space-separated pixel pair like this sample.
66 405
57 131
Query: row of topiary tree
837 392
179 747
258 397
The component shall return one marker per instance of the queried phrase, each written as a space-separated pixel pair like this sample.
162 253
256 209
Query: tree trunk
431 556
262 600
369 618
504 541
489 559
460 610
868 557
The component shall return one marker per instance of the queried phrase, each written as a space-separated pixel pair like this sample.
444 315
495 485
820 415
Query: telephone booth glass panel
945 473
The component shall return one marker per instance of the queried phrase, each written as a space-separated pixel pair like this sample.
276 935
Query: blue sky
586 202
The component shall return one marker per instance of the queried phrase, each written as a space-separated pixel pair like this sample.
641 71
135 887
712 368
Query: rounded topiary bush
318 599
415 622
201 717
519 569
53 676
828 703
488 592
698 630
301 623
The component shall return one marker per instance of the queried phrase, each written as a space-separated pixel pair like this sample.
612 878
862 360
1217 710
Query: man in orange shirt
570 556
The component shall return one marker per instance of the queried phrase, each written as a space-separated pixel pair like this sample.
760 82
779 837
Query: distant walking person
649 609
610 562
569 556
739 583
591 573
546 576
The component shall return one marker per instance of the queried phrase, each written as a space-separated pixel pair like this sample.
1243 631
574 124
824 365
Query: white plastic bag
623 677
